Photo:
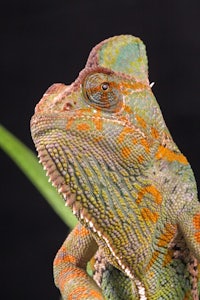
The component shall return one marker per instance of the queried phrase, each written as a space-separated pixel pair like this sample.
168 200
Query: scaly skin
106 148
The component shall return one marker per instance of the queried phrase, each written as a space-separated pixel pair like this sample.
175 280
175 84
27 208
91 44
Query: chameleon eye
102 91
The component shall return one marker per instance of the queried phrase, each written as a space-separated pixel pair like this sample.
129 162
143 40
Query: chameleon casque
107 150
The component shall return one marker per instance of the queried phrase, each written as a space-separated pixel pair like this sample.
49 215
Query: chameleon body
106 148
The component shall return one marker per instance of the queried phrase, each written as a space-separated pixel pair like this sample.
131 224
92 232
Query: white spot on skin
91 225
74 210
99 233
81 216
53 184
60 190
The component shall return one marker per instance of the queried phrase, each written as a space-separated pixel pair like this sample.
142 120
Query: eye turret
102 91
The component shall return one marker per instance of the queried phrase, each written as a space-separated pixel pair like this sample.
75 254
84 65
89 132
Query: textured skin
106 148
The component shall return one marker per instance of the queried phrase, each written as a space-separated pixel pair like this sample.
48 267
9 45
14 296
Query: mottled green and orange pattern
107 150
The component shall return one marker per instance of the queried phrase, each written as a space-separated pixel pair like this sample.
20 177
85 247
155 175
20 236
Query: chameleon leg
114 283
70 266
117 286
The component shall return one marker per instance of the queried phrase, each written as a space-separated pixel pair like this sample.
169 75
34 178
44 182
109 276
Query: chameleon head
88 134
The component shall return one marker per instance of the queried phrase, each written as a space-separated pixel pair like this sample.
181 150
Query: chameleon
105 147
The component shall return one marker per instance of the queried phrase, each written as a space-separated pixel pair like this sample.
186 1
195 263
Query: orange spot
145 144
123 119
79 113
196 221
80 231
170 155
135 141
98 121
148 215
141 121
152 260
98 139
168 257
150 189
99 124
154 133
69 123
82 111
151 274
69 273
167 235
128 109
140 159
136 86
125 152
83 127
95 294
123 134
197 237
64 258
82 292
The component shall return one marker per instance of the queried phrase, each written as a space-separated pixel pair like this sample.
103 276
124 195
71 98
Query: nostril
67 106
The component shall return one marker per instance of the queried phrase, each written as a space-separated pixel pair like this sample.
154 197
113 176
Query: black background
46 41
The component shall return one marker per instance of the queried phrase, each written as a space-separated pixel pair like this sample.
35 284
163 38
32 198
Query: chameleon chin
105 146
